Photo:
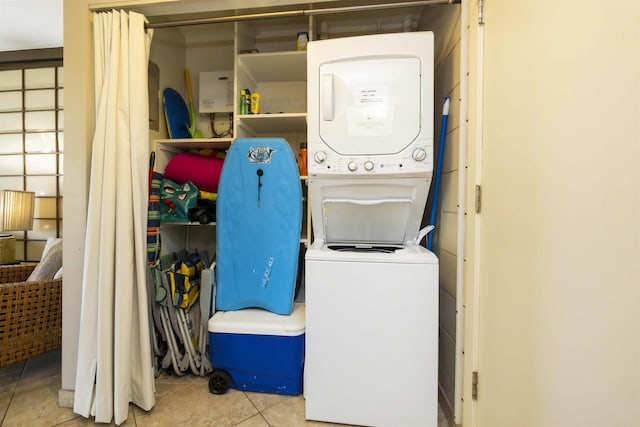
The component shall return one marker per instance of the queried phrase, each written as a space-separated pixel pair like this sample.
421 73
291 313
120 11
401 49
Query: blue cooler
262 351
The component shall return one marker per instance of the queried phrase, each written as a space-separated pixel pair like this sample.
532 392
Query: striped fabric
153 219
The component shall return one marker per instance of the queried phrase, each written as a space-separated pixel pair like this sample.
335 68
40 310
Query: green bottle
247 101
242 102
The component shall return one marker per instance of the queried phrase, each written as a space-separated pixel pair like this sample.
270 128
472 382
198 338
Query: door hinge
478 198
481 12
474 385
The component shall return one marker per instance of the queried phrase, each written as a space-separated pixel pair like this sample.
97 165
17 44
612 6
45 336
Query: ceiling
30 24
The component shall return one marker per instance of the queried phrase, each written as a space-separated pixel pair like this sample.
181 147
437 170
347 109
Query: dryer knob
368 165
352 166
320 156
419 154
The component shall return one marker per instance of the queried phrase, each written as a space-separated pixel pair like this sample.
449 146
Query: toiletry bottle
242 103
302 40
302 159
255 103
247 101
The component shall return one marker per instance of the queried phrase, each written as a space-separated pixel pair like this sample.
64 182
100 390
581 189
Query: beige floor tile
187 401
255 421
290 413
263 401
30 389
35 402
82 421
442 418
9 376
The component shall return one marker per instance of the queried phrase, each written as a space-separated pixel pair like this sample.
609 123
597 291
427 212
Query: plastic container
255 103
302 40
247 101
242 104
302 159
262 351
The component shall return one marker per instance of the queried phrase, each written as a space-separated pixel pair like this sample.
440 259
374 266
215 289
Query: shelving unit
280 79
274 123
278 72
179 235
275 66
167 148
179 145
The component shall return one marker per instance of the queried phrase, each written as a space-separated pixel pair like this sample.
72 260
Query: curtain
115 364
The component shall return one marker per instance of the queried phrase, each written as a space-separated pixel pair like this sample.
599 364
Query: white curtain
114 354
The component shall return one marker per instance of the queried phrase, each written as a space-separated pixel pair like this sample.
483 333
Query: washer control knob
320 156
352 166
419 154
368 165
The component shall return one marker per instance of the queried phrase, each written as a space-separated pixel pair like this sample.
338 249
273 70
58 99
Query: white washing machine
371 337
371 289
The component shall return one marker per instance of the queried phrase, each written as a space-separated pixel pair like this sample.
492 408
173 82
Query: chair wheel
219 381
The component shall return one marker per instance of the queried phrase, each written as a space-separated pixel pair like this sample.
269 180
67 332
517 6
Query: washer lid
408 254
366 221
256 321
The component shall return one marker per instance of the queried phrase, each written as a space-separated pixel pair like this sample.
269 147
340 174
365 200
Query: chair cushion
47 246
49 264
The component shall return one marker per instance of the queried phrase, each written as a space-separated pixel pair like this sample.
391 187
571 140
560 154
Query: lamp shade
16 210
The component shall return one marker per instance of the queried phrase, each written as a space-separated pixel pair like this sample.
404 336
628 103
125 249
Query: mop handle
436 182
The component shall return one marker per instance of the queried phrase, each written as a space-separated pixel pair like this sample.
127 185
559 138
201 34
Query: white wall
78 130
210 49
559 294
30 25
444 21
168 53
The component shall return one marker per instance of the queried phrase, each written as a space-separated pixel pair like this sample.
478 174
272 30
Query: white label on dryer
371 113
370 121
366 95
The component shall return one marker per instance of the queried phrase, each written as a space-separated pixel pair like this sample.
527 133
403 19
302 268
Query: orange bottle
302 159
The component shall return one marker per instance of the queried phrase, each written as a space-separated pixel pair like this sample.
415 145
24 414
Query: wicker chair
30 314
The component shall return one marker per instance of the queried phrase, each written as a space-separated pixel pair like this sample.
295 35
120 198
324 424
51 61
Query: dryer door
370 105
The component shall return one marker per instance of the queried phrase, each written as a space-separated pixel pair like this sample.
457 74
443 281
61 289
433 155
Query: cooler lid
256 321
366 221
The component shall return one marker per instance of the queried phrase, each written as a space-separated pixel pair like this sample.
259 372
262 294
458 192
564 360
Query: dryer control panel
418 158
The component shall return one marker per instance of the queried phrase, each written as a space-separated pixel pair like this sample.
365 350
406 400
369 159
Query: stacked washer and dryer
371 287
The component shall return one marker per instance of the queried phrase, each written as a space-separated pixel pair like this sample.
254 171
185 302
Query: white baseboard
65 398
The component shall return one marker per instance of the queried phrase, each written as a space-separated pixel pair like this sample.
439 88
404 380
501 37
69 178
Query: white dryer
371 290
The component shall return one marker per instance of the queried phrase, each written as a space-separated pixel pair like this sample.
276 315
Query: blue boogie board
259 217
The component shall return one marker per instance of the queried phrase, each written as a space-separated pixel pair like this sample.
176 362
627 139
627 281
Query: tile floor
29 396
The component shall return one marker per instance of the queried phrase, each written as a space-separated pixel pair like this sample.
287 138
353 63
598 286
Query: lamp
16 214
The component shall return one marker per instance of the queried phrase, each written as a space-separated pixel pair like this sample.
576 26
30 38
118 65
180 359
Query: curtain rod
301 12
